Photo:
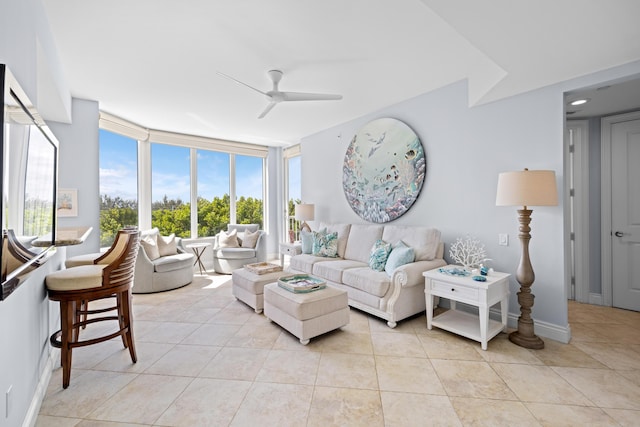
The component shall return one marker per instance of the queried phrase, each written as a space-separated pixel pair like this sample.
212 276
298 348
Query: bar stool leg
125 299
67 316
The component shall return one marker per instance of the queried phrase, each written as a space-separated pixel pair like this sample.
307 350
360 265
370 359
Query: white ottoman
306 315
248 287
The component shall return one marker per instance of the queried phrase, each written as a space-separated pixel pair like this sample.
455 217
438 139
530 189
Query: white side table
479 294
290 249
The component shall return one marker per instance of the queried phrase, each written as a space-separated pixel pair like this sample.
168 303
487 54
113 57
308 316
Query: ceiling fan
276 96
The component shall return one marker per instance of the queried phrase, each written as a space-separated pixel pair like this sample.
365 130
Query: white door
625 214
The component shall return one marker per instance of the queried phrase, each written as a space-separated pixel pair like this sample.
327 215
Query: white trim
144 185
212 144
595 299
122 127
232 189
292 151
193 177
132 130
41 389
606 200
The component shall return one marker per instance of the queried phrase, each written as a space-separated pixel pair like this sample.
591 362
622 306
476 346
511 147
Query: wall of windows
184 187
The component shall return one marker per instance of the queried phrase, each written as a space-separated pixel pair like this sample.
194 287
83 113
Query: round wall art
383 171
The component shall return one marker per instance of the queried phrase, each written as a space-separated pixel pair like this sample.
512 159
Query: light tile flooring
205 359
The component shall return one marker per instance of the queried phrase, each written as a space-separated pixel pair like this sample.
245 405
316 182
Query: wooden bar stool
110 276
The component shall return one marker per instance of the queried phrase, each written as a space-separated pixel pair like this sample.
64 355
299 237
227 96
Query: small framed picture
67 202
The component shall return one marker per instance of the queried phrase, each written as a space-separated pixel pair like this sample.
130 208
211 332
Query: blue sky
170 171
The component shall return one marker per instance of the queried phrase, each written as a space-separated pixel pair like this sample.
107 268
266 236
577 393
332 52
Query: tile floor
205 359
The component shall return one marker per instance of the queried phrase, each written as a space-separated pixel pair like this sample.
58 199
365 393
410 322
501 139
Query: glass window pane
213 192
118 184
249 185
170 190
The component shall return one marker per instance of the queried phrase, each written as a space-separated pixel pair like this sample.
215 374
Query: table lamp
526 188
305 212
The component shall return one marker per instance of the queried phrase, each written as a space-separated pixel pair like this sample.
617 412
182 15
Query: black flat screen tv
28 179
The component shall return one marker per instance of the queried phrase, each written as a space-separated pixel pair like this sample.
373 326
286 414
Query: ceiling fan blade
302 96
242 83
266 110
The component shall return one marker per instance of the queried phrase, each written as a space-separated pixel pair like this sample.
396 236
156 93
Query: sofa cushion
361 239
173 262
401 254
343 235
234 253
150 246
379 254
423 240
250 239
332 270
367 280
167 245
304 262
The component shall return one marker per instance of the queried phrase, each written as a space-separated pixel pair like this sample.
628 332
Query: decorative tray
454 271
262 267
301 283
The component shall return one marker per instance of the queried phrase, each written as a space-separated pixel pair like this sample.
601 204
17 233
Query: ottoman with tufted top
306 315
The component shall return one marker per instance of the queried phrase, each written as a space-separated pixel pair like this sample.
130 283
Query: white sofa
392 298
164 273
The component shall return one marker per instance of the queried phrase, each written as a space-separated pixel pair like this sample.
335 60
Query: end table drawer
446 289
290 250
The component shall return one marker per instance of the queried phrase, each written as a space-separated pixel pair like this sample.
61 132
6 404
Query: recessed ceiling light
580 101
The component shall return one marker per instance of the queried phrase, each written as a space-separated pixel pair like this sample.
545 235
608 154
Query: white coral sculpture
469 253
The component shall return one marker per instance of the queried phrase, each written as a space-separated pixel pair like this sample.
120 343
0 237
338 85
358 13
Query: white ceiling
154 62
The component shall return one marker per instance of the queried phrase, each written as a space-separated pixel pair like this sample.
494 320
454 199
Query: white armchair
227 259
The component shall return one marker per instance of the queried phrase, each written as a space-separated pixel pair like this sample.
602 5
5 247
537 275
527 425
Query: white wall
78 168
466 148
27 318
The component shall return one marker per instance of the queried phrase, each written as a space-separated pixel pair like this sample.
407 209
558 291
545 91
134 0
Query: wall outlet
503 239
8 401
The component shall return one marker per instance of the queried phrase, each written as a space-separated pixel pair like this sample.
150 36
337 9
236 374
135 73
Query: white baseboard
38 396
544 329
595 299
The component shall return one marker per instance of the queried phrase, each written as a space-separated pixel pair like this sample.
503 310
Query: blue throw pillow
379 254
306 238
401 254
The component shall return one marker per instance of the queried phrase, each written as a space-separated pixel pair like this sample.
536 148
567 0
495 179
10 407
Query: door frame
580 288
606 198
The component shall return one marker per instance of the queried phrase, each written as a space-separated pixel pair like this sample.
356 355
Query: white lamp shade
527 188
305 212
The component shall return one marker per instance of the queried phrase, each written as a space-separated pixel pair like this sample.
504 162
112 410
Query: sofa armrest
261 246
411 274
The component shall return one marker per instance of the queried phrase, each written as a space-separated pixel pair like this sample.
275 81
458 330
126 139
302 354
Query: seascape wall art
384 170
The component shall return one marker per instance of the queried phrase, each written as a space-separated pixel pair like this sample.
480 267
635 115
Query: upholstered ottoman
306 315
248 287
